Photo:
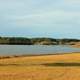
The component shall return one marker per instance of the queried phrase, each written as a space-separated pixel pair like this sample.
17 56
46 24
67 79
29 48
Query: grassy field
46 67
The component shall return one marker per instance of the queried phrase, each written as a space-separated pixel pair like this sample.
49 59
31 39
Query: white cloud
40 16
52 17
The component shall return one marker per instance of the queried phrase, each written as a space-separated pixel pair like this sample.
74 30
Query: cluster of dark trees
33 41
15 40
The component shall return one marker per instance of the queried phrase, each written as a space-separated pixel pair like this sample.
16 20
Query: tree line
33 41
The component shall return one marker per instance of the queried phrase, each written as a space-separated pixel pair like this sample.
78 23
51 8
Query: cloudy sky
40 18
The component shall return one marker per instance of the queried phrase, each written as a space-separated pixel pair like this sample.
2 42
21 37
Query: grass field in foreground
47 67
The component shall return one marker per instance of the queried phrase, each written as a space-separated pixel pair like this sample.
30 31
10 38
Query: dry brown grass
48 67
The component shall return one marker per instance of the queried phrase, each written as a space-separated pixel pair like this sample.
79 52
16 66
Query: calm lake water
35 49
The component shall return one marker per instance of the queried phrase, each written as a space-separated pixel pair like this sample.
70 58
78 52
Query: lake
35 49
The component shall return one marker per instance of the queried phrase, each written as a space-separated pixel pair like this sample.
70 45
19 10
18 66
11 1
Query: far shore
77 45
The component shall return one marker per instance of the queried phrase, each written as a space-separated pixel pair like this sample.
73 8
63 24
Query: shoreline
41 67
36 55
76 46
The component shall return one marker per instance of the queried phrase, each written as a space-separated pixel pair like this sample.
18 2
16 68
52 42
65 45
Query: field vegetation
43 67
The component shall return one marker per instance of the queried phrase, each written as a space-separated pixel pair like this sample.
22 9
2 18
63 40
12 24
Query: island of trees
37 41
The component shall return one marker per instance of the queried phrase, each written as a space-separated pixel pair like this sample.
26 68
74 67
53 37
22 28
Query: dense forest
37 41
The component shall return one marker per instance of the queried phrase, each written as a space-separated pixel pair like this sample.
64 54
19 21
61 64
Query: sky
40 18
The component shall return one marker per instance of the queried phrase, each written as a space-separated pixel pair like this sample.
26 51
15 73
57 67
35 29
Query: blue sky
40 18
